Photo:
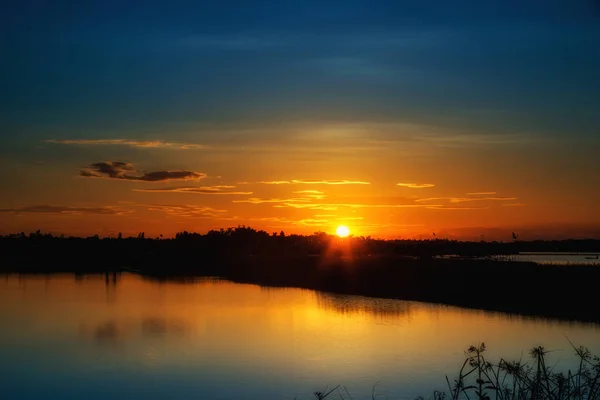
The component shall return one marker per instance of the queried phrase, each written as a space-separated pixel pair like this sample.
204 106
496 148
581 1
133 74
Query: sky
396 118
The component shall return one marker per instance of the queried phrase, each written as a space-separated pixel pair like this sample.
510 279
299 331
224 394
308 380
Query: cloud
305 203
45 209
465 199
311 222
321 207
416 185
257 200
112 169
122 170
456 208
216 190
468 199
312 194
481 194
188 211
287 221
308 192
275 182
127 142
319 220
328 182
382 205
312 182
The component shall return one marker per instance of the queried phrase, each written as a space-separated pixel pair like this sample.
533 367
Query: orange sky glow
303 184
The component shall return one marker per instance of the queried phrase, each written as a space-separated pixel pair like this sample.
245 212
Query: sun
342 231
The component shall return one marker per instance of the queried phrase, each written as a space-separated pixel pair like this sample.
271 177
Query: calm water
559 258
69 338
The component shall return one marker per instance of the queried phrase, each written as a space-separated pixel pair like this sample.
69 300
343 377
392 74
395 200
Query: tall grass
480 379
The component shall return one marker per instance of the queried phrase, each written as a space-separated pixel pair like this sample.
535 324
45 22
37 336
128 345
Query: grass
480 379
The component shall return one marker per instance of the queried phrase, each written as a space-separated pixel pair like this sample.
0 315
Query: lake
127 337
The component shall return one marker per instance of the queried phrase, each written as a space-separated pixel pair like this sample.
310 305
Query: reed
480 379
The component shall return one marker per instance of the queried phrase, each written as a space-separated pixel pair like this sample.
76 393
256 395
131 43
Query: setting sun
342 231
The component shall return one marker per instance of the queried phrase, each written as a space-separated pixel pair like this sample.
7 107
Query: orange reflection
272 328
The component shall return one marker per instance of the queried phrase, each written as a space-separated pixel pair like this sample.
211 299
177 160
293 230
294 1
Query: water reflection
124 336
344 304
114 331
107 332
154 326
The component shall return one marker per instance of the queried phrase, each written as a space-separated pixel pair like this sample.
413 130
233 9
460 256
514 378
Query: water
89 337
559 258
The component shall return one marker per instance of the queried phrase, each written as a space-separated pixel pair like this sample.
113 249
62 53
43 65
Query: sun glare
342 231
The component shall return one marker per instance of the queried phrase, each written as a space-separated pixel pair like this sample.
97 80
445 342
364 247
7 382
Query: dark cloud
112 169
124 171
45 209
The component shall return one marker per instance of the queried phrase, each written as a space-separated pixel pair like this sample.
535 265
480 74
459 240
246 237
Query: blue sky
107 65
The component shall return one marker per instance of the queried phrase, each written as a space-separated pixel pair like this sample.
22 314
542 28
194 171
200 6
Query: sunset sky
395 118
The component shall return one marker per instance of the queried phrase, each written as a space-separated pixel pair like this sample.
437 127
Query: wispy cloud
257 200
187 211
312 194
469 199
321 207
363 205
308 192
416 185
311 222
470 139
45 209
272 182
455 208
289 221
329 182
304 203
123 170
216 190
319 220
481 194
311 182
128 142
464 199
